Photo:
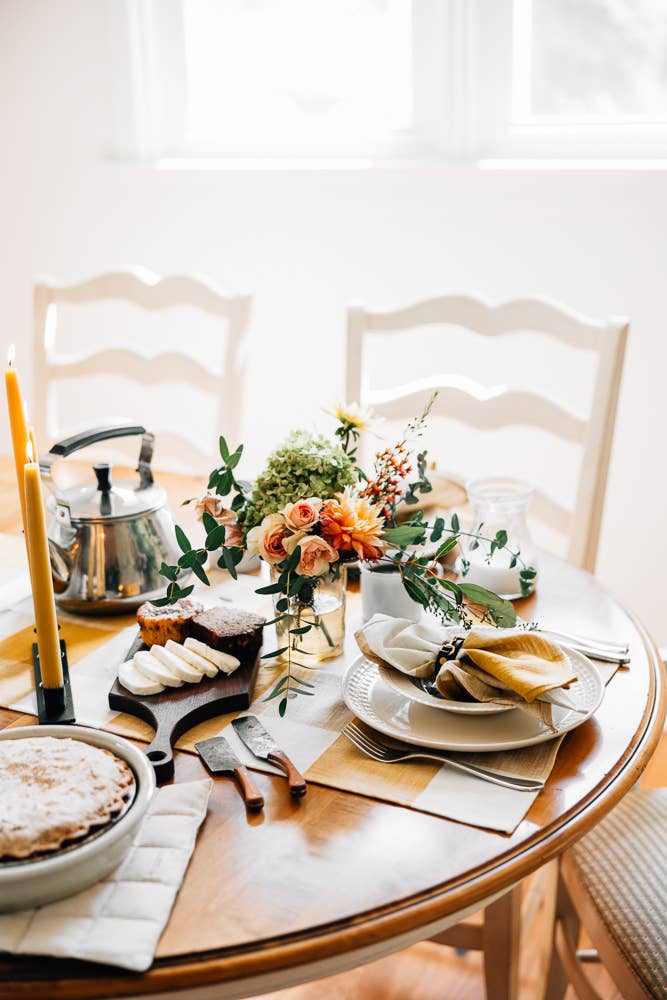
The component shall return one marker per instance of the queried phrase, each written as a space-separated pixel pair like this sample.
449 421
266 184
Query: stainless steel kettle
107 540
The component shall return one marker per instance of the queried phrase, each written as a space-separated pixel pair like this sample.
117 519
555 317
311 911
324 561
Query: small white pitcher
382 592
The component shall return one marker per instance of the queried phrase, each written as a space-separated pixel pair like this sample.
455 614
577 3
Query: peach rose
303 513
316 556
213 504
210 504
266 540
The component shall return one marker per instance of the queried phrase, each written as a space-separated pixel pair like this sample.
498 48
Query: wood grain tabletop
314 886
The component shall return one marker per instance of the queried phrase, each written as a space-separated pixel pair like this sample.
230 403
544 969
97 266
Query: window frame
464 105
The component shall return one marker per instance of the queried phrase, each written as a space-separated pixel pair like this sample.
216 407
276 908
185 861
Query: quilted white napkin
119 921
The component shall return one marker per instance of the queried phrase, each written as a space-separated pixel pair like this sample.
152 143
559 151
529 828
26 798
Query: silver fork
375 748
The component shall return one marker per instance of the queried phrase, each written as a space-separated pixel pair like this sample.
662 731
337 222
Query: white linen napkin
119 921
512 667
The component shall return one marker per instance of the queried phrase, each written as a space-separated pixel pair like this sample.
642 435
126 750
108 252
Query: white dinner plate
382 707
407 688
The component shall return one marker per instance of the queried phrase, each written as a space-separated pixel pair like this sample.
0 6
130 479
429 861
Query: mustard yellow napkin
505 666
520 661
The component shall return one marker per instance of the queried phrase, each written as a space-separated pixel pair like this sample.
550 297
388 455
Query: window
582 78
378 78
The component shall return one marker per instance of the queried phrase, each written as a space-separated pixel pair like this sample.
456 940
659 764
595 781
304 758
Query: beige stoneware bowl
25 884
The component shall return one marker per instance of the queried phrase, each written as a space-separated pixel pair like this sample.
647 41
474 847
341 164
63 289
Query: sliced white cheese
194 659
136 682
223 661
151 667
176 666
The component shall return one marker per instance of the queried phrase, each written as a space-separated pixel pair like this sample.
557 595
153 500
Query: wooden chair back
142 288
487 408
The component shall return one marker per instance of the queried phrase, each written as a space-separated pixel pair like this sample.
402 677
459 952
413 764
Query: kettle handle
85 438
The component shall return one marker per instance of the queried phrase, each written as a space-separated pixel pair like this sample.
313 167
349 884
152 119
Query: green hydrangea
304 465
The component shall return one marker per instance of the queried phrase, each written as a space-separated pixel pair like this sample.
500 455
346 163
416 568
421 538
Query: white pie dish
25 884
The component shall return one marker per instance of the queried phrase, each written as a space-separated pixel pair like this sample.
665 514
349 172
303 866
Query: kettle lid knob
103 472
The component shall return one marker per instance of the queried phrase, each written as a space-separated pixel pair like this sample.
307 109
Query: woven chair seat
623 865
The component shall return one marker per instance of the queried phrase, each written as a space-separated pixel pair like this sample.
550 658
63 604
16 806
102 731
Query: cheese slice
136 682
176 666
224 661
194 659
151 667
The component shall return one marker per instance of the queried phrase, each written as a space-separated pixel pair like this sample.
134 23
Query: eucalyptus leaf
215 537
229 563
501 611
182 539
438 528
234 459
200 573
404 534
271 588
224 450
293 560
447 546
209 522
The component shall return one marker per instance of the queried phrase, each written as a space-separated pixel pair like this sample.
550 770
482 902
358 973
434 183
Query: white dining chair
140 287
486 408
491 407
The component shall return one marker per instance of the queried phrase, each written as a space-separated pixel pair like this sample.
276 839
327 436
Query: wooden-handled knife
262 745
221 759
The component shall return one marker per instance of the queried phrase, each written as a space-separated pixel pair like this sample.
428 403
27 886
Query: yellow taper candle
40 576
18 426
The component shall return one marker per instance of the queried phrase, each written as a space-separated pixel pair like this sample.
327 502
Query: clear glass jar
321 605
499 504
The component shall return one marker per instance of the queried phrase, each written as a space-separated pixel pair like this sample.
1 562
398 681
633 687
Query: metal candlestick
54 705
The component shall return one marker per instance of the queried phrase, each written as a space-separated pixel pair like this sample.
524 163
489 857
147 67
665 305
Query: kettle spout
61 566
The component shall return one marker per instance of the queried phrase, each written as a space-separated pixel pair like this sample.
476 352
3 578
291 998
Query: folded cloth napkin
119 921
505 666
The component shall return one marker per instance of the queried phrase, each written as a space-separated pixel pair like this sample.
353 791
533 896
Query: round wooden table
319 885
313 887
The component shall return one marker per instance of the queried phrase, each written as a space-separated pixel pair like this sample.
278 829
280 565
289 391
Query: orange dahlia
352 523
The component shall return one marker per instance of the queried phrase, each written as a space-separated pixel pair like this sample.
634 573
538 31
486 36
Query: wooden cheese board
175 710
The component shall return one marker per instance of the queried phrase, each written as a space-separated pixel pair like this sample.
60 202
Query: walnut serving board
175 710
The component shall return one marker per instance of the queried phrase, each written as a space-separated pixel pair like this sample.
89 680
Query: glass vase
321 604
499 503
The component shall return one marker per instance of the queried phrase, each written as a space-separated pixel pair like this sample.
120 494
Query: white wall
305 243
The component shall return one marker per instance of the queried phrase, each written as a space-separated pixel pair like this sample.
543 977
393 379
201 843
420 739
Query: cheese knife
251 731
221 759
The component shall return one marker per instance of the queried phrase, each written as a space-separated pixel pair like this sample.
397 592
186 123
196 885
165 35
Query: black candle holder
54 705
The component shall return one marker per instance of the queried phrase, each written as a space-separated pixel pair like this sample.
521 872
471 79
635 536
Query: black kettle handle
85 438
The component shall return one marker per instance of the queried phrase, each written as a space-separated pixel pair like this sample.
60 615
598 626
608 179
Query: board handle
161 756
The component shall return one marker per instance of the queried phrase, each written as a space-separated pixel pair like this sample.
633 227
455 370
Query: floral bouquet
311 512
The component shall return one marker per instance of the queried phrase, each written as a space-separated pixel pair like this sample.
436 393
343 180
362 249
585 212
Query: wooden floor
432 972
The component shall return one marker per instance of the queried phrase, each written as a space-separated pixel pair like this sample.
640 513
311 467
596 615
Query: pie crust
55 790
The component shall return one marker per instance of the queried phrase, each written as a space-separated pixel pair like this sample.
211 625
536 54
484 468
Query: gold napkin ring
449 651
